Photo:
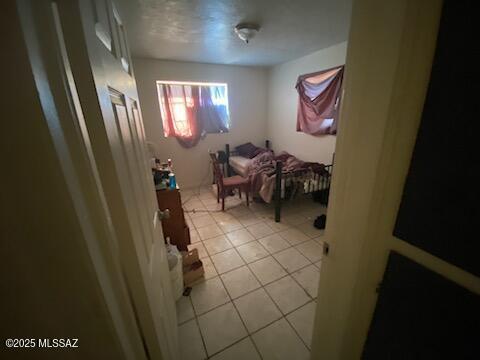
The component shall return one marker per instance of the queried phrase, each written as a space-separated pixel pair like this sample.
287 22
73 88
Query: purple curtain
214 116
319 101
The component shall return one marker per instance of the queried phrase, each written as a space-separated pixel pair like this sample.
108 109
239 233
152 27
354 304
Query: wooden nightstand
175 226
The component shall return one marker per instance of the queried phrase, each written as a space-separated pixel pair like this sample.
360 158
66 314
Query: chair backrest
217 170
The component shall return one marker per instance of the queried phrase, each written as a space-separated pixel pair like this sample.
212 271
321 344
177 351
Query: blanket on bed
262 171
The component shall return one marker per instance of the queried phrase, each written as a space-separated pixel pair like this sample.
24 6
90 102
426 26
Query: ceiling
202 30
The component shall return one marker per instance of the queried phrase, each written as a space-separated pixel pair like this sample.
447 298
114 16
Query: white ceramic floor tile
265 213
291 259
192 198
187 194
279 342
193 204
191 346
221 327
308 229
240 210
243 350
309 278
311 250
194 237
213 208
209 269
229 225
287 294
294 236
239 281
257 310
302 320
267 270
184 309
202 252
222 216
240 237
203 221
260 230
206 189
277 226
294 219
260 206
274 243
207 196
252 251
209 201
189 223
209 231
208 294
250 219
197 213
227 260
217 244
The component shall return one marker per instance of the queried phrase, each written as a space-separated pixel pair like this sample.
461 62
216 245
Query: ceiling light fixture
246 31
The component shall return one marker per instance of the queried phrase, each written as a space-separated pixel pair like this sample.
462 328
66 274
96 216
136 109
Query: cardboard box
190 257
193 272
192 267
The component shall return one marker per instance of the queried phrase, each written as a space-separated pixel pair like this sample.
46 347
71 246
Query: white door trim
389 57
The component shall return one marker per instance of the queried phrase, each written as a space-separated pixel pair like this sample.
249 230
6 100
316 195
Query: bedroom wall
282 105
247 90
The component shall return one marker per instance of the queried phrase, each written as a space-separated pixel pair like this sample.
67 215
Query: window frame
191 83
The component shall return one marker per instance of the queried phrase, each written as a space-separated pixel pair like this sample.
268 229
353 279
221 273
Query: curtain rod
190 83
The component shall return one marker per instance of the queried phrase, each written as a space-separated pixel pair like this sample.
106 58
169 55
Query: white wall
247 90
282 105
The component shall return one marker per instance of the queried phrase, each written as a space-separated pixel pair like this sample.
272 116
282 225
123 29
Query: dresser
175 226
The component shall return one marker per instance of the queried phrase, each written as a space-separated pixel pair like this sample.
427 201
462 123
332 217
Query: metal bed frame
320 181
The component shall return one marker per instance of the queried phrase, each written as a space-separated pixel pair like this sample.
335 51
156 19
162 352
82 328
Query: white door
111 70
99 84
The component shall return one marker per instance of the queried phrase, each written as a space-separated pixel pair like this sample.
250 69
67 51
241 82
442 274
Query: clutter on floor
174 259
192 267
320 222
185 268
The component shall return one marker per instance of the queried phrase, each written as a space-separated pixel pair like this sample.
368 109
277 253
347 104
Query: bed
240 164
277 178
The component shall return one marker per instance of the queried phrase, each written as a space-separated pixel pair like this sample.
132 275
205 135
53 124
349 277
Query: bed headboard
230 151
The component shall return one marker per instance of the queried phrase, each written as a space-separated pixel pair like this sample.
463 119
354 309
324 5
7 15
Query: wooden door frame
389 58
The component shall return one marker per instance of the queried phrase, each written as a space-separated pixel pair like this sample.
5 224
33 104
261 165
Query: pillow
259 151
246 150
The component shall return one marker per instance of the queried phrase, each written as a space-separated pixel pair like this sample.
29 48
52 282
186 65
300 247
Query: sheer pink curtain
179 106
319 101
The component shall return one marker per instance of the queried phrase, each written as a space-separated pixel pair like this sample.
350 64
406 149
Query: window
190 110
319 98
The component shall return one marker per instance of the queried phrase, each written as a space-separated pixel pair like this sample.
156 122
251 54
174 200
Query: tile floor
258 297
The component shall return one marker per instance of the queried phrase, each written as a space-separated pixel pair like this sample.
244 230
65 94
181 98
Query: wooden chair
226 184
